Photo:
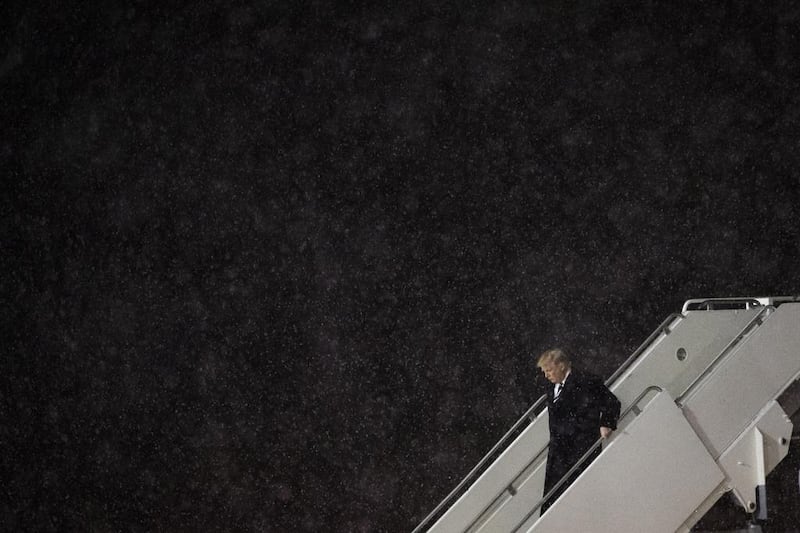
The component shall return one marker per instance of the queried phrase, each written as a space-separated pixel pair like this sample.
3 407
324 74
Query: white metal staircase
700 418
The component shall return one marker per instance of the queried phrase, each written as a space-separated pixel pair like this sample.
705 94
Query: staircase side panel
744 382
650 478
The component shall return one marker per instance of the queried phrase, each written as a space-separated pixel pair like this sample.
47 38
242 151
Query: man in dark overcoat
581 410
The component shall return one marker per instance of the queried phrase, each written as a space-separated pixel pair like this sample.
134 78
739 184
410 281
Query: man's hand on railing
605 432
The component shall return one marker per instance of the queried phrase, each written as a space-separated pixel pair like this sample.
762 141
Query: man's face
554 372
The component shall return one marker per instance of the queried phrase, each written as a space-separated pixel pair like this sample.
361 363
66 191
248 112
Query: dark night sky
282 266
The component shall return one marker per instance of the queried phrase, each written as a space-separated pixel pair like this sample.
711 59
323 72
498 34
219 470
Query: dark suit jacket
583 406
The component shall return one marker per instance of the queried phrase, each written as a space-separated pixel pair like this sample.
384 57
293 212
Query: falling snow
282 267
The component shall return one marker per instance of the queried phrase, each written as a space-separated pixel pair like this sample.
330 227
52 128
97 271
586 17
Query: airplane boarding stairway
700 418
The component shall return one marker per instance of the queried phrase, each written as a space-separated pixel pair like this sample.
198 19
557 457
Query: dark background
283 266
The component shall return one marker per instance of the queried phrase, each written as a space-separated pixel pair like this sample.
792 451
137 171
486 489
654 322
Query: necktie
559 386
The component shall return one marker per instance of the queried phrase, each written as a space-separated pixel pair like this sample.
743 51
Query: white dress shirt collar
559 386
